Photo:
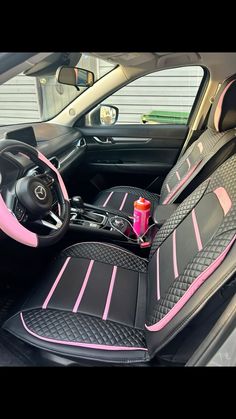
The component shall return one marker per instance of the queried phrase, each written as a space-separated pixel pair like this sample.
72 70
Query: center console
100 224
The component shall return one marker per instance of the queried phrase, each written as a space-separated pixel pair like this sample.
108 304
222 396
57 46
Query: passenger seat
208 152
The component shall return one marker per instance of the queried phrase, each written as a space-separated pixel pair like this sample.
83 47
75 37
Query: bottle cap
142 204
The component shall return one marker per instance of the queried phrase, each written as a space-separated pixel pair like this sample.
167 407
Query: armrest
163 212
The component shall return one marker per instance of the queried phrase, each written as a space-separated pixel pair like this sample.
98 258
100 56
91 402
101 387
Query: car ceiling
221 65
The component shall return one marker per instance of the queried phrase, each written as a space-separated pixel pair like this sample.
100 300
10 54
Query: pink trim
196 230
200 146
181 183
109 295
56 283
81 293
189 164
175 266
158 274
123 202
219 106
177 174
168 188
60 180
191 290
11 226
224 199
109 196
84 345
115 247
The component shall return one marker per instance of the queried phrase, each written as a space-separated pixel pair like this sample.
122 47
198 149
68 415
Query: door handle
105 140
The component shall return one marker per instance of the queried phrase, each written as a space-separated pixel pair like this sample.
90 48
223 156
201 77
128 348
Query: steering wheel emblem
40 192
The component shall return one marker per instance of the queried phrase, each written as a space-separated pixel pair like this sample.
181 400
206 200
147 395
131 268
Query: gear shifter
77 202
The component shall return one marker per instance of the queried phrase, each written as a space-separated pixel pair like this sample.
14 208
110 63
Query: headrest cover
223 112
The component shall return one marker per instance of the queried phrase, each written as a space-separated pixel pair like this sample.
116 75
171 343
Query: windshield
26 99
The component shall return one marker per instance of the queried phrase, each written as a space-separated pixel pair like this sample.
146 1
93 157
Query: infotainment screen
26 135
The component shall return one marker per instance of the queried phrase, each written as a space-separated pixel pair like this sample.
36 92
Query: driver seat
102 303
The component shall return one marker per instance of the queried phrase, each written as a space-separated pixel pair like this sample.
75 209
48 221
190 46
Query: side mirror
108 114
103 115
75 76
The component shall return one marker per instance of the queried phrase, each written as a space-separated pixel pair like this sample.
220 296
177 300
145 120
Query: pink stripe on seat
81 293
83 345
109 295
158 274
224 199
56 283
180 184
191 290
109 196
219 106
175 266
188 162
177 174
123 202
196 230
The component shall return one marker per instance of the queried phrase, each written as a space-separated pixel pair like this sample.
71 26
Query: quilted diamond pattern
177 217
221 178
199 263
73 327
106 253
210 140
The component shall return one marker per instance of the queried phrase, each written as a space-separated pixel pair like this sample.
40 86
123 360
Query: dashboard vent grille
54 160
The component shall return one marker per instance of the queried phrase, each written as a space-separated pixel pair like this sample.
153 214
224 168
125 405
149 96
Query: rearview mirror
75 76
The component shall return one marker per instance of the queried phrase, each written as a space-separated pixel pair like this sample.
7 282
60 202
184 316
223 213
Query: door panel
161 131
132 155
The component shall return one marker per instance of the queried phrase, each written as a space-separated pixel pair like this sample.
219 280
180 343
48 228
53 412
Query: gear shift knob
77 202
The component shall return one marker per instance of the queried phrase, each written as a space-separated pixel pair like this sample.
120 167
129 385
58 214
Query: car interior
79 286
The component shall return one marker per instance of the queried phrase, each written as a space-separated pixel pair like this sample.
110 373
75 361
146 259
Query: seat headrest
223 112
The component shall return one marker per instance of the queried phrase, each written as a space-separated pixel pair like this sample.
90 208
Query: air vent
81 142
54 160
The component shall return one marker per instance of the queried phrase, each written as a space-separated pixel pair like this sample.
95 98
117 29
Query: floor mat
13 352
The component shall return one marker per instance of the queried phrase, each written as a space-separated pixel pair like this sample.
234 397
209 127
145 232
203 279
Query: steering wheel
31 199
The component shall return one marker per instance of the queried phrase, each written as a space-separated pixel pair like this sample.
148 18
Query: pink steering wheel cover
60 180
11 226
9 223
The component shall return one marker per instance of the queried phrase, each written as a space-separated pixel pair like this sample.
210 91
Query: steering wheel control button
19 212
49 180
34 195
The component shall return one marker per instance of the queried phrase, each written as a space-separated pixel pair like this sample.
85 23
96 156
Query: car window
163 97
26 99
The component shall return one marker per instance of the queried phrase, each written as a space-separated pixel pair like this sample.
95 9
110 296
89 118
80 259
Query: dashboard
64 146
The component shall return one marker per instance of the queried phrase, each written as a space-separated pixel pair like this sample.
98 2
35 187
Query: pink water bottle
141 216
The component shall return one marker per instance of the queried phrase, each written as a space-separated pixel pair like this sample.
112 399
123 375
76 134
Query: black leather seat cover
104 303
196 164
